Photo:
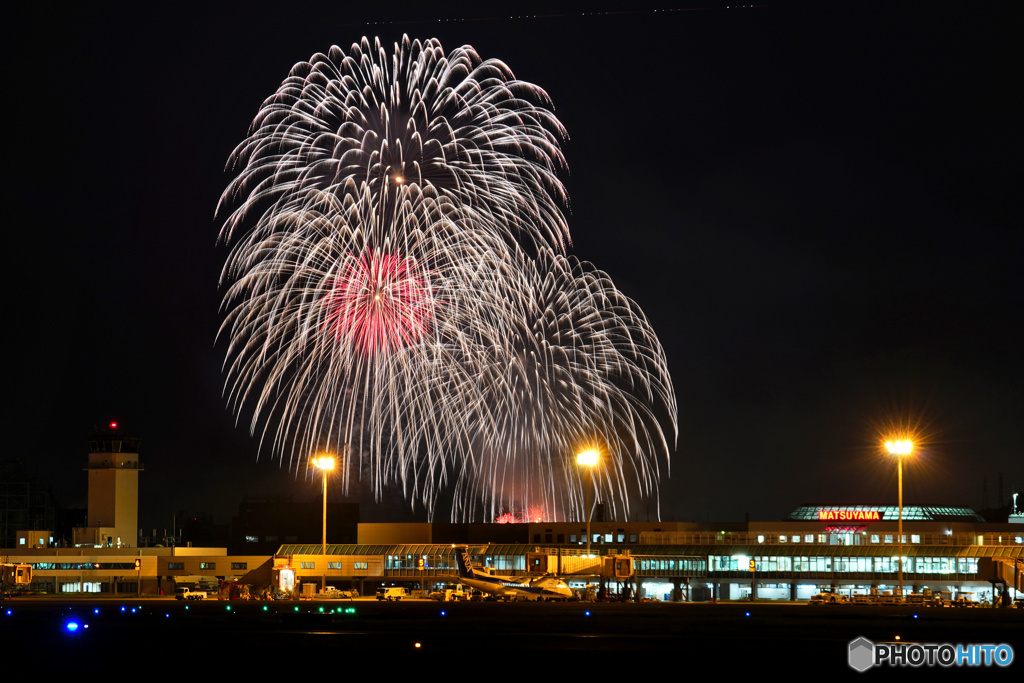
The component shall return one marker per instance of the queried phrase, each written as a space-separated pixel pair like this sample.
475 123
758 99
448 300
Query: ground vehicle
14 577
392 593
188 594
451 592
829 599
965 600
335 593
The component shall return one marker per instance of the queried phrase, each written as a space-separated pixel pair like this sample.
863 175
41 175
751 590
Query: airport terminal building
849 549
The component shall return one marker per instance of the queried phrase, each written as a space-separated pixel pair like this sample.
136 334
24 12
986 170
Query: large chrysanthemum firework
397 288
408 124
584 367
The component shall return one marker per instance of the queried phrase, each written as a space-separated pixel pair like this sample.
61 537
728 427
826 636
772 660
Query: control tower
113 468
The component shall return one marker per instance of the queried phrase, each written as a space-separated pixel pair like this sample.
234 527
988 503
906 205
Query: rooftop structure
113 466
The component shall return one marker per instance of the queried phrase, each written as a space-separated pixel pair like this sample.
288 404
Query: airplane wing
522 593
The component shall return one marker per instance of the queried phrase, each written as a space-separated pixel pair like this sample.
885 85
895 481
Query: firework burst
397 288
379 303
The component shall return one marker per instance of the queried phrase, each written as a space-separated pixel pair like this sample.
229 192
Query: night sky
816 208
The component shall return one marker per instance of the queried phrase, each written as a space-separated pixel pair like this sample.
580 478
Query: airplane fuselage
522 588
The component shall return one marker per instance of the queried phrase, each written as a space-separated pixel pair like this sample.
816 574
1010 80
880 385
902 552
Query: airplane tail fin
465 566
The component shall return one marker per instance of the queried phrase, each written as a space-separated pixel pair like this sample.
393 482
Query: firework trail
397 287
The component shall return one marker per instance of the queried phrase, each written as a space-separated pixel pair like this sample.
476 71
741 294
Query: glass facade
670 566
889 513
843 565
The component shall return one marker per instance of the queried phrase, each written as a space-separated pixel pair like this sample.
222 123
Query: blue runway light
71 626
96 610
443 613
586 613
748 614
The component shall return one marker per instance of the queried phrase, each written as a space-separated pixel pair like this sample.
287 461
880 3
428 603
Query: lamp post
588 459
900 449
325 464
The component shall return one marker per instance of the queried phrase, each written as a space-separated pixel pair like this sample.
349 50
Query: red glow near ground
533 514
380 303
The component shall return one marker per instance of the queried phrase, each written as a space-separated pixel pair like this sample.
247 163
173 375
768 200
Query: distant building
24 503
113 466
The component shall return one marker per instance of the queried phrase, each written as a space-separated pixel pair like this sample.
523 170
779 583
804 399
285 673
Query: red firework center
380 302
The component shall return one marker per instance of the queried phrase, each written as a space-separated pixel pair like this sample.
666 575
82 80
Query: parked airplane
545 587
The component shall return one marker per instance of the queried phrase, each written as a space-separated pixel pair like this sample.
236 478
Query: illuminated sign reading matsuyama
844 515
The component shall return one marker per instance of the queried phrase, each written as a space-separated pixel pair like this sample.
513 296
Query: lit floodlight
900 447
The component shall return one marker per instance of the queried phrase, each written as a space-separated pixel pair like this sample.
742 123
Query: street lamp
588 459
325 464
901 449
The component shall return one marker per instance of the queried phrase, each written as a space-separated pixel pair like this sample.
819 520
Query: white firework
397 288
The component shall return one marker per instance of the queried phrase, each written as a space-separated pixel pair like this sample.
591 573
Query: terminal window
239 565
207 565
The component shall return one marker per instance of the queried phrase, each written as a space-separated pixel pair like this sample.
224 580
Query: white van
392 593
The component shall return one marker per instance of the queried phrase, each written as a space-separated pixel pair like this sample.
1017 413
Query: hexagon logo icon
861 654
